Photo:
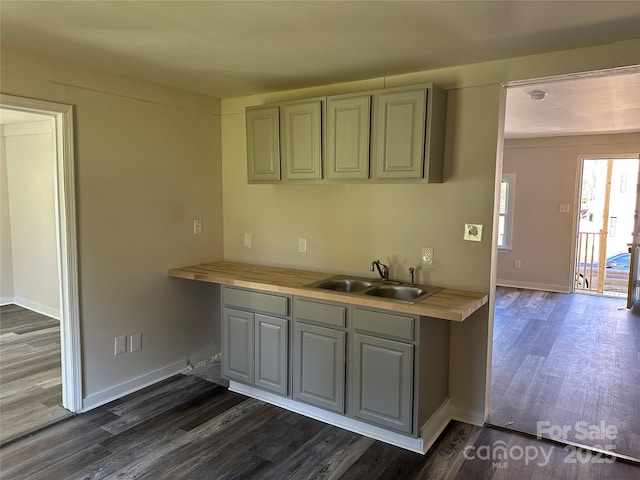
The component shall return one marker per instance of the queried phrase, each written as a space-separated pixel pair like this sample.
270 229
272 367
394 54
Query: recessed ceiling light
537 95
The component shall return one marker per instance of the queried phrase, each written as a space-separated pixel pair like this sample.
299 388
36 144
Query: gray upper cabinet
302 140
263 144
392 135
348 132
399 134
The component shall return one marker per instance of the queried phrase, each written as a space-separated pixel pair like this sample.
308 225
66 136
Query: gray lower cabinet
255 341
381 367
238 345
319 366
383 382
271 353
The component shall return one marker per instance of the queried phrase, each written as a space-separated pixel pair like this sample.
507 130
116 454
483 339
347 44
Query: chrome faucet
412 276
383 270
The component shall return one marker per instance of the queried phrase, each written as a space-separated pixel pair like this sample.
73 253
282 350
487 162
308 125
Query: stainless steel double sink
376 288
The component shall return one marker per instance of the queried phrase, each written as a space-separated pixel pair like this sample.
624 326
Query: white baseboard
6 301
118 391
37 307
418 445
433 427
467 416
533 286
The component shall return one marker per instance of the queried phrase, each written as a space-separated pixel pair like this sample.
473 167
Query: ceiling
231 48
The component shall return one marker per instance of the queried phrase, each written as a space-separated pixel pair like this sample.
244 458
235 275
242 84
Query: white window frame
510 179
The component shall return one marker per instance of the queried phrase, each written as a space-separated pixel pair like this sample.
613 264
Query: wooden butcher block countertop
455 305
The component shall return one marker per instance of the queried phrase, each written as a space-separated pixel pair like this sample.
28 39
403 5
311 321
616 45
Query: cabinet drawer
384 324
256 301
334 315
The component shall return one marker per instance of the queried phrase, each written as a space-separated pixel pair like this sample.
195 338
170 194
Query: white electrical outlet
247 240
563 208
302 245
427 255
120 344
135 342
517 264
197 227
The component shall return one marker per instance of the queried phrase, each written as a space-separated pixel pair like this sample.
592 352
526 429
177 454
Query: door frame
66 239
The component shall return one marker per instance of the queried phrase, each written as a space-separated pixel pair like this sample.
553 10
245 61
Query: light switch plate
247 240
120 344
473 232
302 245
563 208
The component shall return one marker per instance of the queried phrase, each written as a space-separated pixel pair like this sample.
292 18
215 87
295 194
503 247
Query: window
505 219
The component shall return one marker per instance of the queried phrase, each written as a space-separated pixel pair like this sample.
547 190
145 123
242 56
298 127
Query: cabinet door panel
263 144
238 345
301 140
383 382
400 134
348 128
319 366
271 365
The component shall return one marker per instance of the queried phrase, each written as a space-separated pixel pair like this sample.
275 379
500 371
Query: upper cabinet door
400 134
348 128
263 144
302 140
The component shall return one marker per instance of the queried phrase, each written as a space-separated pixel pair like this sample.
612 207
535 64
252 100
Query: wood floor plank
30 372
587 367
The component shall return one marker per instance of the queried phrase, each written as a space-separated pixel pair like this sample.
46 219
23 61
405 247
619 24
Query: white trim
437 422
6 301
130 386
510 179
467 416
65 210
37 307
545 287
433 427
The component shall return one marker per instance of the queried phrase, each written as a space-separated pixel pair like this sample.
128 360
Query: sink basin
376 288
343 284
406 293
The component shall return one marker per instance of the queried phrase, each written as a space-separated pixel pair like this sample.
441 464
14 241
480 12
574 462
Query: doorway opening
608 196
561 366
60 117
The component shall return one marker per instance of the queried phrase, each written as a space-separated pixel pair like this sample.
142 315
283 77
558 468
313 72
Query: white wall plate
473 232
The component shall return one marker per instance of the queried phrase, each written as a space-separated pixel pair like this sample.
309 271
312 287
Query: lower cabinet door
383 382
271 359
319 366
237 345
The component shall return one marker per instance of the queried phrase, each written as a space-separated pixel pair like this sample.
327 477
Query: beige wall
147 164
347 226
547 175
30 173
6 264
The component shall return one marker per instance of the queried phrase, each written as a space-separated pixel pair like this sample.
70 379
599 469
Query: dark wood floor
189 428
30 376
564 359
